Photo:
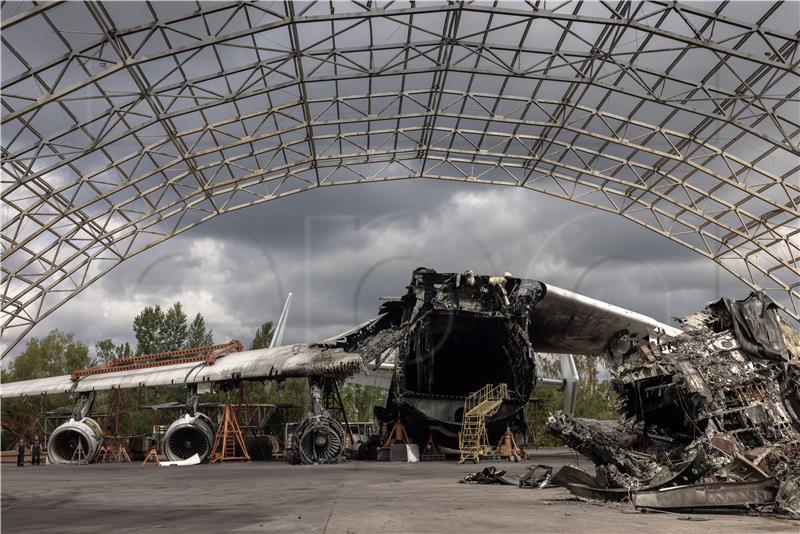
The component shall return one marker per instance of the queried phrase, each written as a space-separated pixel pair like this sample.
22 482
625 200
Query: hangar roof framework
124 124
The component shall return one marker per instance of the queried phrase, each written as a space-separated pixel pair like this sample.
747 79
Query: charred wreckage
708 419
448 336
451 334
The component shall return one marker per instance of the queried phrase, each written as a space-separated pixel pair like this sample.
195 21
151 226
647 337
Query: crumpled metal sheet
491 475
570 474
755 322
718 495
538 476
708 418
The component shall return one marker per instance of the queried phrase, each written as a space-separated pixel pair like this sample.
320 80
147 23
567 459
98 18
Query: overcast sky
340 249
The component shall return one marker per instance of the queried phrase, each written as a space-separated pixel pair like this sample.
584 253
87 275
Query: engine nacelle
64 441
319 439
189 435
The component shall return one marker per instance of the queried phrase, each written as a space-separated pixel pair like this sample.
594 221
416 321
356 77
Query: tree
263 336
359 400
174 330
58 353
157 331
198 335
595 400
147 328
106 350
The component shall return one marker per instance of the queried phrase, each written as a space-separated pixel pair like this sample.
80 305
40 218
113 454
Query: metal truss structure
124 124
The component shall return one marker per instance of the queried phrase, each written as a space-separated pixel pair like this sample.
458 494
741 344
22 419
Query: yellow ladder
472 440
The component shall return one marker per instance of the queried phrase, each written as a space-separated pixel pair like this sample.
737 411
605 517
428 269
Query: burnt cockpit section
457 333
451 334
483 350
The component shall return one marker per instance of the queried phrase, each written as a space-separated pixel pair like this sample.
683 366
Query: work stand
228 438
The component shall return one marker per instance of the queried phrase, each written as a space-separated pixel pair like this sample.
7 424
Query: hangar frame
125 124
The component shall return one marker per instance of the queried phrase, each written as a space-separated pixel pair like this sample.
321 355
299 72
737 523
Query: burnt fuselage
457 333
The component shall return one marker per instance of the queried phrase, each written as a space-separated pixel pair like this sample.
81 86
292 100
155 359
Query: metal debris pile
537 476
708 419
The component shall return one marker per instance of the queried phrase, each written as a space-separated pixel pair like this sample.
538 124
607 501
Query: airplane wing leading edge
566 322
289 361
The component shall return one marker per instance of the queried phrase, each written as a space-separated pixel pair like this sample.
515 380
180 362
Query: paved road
355 497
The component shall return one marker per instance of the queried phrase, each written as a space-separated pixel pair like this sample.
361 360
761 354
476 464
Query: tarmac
352 497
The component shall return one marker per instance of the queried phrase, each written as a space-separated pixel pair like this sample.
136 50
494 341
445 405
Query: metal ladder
473 440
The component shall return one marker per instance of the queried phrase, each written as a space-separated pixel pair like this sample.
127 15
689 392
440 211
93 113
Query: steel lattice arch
124 124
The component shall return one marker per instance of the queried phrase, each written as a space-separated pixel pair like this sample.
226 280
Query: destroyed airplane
708 419
453 333
449 335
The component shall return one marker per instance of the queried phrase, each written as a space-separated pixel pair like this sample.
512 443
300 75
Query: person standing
21 453
36 451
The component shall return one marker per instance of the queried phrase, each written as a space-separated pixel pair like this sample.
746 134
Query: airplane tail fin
280 328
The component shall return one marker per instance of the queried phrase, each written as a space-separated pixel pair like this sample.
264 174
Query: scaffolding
117 416
473 441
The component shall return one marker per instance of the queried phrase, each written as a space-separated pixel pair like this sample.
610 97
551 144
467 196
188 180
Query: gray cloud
341 249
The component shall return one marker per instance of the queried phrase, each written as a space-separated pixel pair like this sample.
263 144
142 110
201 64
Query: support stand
122 454
397 434
79 455
117 413
507 448
152 456
228 437
103 455
332 401
431 452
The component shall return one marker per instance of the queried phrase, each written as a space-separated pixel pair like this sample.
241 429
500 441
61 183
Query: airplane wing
289 361
561 322
566 322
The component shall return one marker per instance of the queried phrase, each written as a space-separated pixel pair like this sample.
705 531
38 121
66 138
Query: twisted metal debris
707 419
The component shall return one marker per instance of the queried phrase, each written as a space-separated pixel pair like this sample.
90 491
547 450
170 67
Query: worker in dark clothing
21 453
36 451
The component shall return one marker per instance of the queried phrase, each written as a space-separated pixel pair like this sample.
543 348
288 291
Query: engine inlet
188 436
63 444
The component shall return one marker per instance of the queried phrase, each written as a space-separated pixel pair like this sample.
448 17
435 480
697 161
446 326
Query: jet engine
63 443
319 438
189 435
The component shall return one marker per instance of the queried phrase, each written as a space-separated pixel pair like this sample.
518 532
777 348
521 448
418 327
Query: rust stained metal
207 354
